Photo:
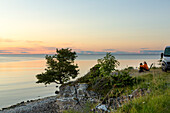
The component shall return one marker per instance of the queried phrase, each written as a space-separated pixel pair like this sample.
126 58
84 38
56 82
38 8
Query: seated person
145 66
141 68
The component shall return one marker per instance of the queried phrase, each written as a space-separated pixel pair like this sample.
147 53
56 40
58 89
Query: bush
123 79
103 85
107 64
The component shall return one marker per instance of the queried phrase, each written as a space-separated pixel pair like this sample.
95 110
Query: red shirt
145 66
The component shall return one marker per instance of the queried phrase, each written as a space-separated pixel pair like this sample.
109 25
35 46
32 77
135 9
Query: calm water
17 74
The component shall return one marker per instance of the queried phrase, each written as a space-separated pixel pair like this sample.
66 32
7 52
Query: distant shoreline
85 54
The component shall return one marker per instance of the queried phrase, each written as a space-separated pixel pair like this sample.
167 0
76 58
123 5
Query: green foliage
60 67
104 67
101 85
90 76
123 79
99 77
94 73
108 64
120 80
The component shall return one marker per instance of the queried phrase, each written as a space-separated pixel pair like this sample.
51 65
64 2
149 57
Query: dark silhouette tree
60 67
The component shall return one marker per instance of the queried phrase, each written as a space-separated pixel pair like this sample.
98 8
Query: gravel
45 105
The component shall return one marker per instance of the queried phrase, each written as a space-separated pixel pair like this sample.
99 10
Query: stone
102 107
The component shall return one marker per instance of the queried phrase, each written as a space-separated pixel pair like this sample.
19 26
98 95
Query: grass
148 104
86 109
157 101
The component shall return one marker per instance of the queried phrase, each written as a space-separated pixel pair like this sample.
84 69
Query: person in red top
145 66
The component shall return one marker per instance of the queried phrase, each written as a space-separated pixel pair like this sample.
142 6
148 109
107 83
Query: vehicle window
167 52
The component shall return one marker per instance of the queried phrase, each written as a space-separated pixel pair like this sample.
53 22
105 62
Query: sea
18 74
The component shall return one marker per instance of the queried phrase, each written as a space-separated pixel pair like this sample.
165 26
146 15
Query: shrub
103 85
107 64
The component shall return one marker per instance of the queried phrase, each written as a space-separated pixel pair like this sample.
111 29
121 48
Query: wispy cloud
4 51
34 50
22 49
24 52
16 50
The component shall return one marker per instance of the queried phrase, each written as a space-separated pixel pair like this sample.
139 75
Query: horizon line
90 54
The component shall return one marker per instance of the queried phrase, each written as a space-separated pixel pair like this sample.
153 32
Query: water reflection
17 79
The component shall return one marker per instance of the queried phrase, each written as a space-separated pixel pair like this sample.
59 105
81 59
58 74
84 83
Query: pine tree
60 67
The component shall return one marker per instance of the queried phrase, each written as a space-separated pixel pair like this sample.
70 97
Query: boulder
75 96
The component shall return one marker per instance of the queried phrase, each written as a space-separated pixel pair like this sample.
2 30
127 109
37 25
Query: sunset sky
120 26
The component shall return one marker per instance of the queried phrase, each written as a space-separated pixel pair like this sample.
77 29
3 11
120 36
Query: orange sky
40 26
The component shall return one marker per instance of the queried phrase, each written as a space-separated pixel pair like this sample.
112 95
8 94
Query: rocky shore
44 105
69 97
72 96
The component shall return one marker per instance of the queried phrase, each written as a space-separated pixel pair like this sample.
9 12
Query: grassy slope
159 99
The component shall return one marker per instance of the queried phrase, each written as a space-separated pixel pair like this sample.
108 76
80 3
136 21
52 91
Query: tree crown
60 67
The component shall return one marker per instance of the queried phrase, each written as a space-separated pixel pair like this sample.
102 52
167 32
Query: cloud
24 52
4 51
29 50
52 50
151 51
16 50
22 49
